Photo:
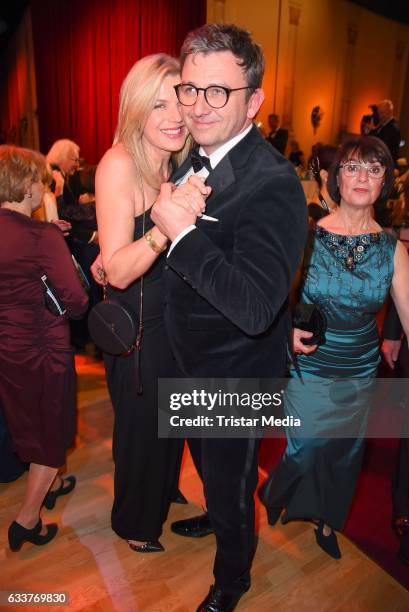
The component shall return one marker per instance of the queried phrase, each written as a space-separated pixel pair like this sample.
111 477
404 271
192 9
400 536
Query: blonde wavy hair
138 94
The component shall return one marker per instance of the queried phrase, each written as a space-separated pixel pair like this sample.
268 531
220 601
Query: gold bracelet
153 244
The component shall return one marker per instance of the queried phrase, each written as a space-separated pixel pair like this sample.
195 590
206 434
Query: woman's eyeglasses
352 169
215 95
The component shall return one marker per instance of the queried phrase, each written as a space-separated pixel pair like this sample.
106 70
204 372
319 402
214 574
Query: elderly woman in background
350 265
82 239
64 160
37 376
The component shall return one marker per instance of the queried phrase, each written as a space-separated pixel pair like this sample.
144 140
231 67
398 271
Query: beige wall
317 65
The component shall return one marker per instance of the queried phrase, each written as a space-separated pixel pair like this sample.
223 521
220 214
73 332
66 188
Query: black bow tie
199 162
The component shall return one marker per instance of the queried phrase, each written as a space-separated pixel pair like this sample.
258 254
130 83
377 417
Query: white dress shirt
215 158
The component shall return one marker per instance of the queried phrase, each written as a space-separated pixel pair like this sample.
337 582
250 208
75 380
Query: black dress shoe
400 525
195 527
179 498
51 497
148 547
218 600
18 535
329 544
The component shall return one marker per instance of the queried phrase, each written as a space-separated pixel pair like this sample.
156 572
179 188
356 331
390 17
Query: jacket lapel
221 177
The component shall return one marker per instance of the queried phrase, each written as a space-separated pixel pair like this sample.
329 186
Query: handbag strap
138 341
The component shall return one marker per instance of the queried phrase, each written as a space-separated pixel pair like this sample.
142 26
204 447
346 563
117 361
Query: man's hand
298 345
177 208
390 351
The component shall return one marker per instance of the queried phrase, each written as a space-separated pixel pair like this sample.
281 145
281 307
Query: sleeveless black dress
146 468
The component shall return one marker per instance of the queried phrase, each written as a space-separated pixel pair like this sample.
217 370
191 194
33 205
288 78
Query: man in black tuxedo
228 275
277 136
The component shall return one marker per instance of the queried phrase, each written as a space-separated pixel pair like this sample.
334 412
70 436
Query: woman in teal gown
350 266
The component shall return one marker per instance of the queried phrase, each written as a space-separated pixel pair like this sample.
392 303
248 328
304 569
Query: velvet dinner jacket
227 282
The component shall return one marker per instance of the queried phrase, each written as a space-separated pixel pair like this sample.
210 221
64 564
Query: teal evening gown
349 277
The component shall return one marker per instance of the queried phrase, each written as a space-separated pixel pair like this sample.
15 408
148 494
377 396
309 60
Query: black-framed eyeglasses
216 96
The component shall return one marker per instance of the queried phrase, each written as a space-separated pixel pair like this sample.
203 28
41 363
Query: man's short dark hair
368 149
227 37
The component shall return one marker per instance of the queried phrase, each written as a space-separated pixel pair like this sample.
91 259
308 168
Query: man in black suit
228 275
387 129
277 136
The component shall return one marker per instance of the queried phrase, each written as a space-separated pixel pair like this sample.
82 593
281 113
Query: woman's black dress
146 467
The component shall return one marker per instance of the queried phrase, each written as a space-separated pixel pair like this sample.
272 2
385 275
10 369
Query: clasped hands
178 207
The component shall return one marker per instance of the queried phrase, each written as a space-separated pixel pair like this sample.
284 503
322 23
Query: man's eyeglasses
352 169
215 95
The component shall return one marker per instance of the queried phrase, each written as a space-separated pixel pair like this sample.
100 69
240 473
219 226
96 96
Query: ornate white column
352 37
290 63
398 75
216 11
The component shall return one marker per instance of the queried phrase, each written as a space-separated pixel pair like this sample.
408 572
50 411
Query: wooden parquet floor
101 573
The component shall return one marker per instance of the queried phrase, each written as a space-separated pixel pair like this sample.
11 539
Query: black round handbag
112 328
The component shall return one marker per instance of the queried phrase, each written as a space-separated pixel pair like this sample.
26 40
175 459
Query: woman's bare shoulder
117 159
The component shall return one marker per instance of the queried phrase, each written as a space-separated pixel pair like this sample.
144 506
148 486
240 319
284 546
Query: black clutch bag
310 317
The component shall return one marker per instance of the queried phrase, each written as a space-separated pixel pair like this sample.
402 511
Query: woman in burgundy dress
37 376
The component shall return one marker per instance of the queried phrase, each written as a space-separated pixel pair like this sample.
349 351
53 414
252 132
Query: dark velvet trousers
229 470
400 485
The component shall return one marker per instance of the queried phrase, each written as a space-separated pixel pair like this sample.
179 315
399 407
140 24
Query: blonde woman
150 139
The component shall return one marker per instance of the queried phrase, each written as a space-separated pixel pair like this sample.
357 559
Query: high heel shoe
147 547
329 544
51 497
18 534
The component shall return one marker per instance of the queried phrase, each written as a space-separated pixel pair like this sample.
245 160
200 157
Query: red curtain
83 50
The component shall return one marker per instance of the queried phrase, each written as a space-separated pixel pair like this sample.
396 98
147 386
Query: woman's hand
298 345
97 270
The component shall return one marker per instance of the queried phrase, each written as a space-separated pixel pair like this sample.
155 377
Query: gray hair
61 151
